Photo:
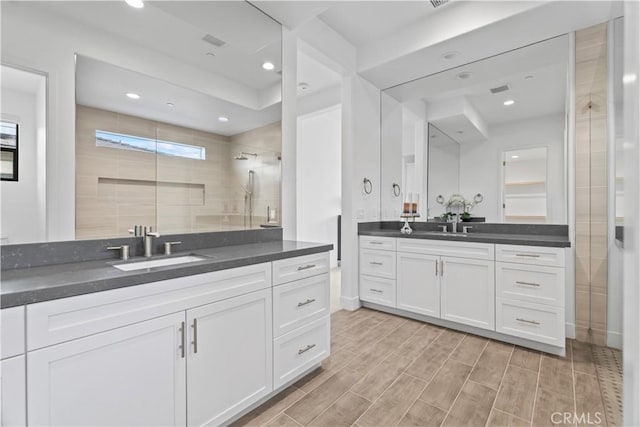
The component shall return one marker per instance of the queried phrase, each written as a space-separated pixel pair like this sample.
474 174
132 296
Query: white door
468 292
230 357
418 283
13 410
134 375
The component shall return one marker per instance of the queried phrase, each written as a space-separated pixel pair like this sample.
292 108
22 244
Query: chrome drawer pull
308 301
529 255
376 243
378 291
183 341
307 348
375 263
306 267
533 322
528 284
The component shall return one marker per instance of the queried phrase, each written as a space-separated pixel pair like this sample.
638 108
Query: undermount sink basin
142 265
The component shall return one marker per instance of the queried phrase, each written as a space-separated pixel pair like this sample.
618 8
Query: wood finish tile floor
386 370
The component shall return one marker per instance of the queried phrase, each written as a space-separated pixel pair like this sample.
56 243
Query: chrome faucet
148 243
454 223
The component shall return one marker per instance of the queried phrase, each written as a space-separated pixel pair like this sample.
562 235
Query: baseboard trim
614 339
350 303
570 330
547 348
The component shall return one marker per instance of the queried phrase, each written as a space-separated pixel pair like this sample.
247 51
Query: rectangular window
8 151
149 145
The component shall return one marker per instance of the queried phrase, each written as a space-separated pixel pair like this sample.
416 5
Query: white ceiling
102 85
176 29
542 94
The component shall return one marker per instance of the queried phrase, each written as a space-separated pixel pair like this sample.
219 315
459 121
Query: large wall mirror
486 140
177 112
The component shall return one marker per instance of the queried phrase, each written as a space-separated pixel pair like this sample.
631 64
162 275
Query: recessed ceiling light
629 78
223 119
132 95
448 56
464 75
171 104
303 85
515 157
509 102
268 66
138 4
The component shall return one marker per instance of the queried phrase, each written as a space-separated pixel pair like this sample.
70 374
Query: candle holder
406 228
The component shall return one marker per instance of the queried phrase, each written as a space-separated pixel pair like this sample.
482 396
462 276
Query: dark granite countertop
36 284
478 237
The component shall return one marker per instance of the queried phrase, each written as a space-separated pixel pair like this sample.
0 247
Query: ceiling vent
213 40
499 89
438 3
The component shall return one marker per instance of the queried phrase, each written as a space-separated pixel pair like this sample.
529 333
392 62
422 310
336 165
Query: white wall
22 216
478 158
631 338
319 177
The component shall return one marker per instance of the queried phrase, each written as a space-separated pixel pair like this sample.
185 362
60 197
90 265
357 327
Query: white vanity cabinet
229 357
13 407
514 290
378 270
301 322
134 375
432 282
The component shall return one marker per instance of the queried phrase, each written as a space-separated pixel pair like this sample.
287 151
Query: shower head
243 156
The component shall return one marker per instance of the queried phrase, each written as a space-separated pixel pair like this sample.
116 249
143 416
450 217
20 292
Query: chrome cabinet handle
529 255
436 263
306 267
375 263
528 284
378 291
308 301
195 336
533 322
376 243
307 348
441 268
183 340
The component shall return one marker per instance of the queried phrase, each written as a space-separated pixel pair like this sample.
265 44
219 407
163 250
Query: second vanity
192 349
505 287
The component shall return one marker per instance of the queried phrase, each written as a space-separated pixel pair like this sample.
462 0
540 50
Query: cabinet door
418 283
13 410
230 357
133 375
468 291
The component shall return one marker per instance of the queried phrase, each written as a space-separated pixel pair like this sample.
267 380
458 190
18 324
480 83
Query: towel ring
396 189
367 186
440 199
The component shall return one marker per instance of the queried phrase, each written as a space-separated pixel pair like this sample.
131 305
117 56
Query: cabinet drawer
538 284
484 251
535 322
290 269
298 303
378 290
65 319
378 263
380 243
299 350
12 331
537 255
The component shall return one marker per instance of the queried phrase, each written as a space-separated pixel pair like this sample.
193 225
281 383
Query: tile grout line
399 375
535 396
430 380
504 374
465 382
